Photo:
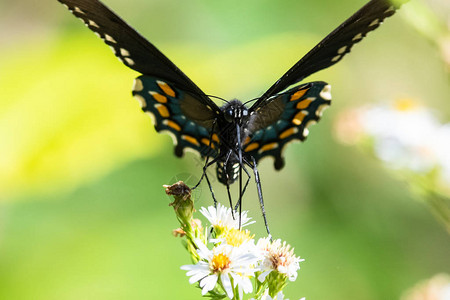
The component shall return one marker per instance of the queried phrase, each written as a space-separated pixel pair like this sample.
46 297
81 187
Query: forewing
336 45
285 118
179 113
129 46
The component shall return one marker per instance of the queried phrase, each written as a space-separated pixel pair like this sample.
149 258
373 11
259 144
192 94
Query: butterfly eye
229 115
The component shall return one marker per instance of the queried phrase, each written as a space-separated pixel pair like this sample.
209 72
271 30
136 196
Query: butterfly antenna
254 99
221 99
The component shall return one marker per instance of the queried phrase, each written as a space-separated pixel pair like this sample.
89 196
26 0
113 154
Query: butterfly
232 136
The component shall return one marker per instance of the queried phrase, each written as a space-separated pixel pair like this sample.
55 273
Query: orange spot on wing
304 103
190 139
172 125
206 142
297 95
163 111
288 132
215 138
298 119
247 140
166 88
268 147
251 147
158 97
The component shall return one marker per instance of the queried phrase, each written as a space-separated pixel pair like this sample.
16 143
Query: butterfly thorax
235 115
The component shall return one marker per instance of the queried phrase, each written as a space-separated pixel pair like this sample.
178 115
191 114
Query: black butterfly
233 136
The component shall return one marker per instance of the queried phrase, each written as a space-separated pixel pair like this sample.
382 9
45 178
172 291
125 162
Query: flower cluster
405 136
228 262
409 139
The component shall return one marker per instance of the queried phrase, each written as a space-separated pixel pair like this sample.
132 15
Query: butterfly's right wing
130 47
285 118
335 45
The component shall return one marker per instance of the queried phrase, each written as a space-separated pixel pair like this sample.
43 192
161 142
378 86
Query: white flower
436 288
404 135
223 218
223 262
278 257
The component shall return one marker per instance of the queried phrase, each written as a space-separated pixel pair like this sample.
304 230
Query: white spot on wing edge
326 92
141 100
342 50
305 132
357 37
374 22
93 24
110 38
391 8
129 61
137 85
336 58
124 52
78 10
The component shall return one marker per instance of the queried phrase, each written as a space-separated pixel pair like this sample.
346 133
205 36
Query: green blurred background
82 211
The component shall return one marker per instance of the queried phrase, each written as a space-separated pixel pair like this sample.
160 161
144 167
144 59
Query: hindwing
284 118
179 113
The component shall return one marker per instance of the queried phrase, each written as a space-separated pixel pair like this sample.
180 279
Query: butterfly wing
334 46
179 113
284 118
176 104
130 47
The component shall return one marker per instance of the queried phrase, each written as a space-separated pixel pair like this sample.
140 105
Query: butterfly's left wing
336 45
130 47
179 113
177 105
284 118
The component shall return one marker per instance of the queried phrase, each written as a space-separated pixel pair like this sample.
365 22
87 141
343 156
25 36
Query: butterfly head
234 111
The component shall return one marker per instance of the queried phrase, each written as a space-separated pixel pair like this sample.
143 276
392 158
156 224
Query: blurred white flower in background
409 139
404 136
436 288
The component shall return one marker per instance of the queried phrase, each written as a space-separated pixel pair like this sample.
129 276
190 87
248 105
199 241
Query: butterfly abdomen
227 173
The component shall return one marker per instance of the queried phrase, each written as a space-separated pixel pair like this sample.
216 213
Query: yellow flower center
236 237
405 104
220 262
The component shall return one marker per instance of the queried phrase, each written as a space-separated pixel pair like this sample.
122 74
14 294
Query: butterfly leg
260 196
205 167
246 183
227 177
241 166
210 189
207 158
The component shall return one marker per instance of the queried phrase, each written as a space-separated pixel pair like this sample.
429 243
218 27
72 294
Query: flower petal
227 285
208 283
